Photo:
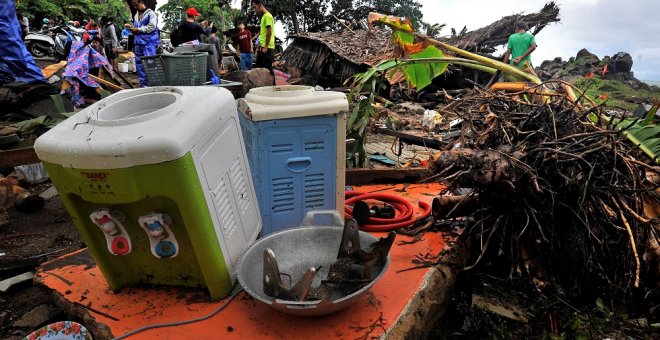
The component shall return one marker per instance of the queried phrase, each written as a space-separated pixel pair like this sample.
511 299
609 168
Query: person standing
147 39
244 41
110 42
266 49
191 30
24 22
520 47
214 40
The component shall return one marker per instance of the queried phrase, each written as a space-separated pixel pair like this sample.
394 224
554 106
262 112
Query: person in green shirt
520 47
266 50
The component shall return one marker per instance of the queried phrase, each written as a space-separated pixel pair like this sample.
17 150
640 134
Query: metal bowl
297 250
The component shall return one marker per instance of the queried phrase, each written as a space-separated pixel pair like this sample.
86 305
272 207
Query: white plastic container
123 67
167 167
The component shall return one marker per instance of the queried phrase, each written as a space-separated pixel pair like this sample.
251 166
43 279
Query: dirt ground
27 241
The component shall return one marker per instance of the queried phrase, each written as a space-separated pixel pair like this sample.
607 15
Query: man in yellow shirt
266 50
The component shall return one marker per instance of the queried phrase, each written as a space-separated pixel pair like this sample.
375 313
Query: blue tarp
16 63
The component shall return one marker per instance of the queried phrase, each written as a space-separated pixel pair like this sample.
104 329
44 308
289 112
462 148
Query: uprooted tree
555 189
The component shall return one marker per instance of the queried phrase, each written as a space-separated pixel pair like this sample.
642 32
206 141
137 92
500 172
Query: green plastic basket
183 69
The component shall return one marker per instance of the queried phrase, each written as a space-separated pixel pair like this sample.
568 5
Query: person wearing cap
191 30
147 37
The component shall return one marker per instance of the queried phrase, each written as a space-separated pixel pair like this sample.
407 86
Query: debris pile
560 197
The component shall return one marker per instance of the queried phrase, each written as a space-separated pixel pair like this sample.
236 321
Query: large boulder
620 63
589 58
257 77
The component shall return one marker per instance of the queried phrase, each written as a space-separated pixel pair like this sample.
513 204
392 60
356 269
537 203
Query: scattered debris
554 189
8 283
510 312
49 193
36 317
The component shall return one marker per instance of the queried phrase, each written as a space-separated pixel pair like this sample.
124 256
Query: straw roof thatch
338 54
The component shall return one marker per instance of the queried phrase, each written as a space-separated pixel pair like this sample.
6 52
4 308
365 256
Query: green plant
423 61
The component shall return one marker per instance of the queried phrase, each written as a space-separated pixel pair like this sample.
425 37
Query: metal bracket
353 267
273 285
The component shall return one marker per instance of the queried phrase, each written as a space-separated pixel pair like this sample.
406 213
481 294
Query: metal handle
298 164
308 221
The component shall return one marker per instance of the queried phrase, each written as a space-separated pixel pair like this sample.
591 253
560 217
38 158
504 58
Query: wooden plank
124 79
379 176
106 83
51 69
16 157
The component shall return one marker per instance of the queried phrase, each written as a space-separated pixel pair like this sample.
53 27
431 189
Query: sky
604 27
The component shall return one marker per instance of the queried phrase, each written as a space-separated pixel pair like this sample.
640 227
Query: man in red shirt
244 41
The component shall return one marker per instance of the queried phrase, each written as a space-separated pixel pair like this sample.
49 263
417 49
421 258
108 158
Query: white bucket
123 67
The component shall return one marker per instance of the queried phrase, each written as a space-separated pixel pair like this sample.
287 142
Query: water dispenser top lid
290 101
137 127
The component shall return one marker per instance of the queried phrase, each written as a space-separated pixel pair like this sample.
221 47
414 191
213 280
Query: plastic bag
33 173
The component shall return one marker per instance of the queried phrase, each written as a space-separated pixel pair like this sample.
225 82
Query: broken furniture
157 183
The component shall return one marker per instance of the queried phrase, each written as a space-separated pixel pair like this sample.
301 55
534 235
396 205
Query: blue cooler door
301 171
319 144
282 206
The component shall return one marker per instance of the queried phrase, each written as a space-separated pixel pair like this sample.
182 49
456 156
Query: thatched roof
338 54
357 46
487 39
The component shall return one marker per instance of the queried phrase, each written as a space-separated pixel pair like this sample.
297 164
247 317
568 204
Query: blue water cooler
295 143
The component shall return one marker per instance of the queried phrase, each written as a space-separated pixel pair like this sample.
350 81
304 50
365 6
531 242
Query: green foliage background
36 10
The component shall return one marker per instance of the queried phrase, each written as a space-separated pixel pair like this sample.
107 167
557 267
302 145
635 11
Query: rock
558 74
585 54
410 107
620 76
36 317
8 283
49 193
257 77
620 63
3 317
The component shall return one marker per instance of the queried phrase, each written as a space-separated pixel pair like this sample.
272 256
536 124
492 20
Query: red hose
405 209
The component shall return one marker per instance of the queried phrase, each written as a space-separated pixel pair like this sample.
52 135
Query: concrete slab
405 303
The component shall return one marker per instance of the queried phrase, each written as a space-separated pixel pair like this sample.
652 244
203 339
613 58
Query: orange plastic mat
80 282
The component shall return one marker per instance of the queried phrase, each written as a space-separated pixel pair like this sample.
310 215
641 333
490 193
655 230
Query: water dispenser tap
116 237
158 229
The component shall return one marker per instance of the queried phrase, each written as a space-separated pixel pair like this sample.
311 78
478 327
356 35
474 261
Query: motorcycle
55 42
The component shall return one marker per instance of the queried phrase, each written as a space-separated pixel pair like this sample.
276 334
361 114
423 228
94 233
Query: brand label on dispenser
96 183
95 176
